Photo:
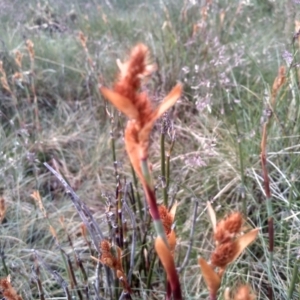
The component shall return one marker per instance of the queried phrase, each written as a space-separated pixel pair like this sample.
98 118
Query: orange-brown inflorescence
127 96
7 291
223 254
230 243
166 218
225 233
228 228
278 83
113 261
129 83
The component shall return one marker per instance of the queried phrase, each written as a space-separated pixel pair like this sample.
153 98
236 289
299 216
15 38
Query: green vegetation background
227 54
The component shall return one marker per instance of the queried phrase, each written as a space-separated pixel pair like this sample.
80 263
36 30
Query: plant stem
163 168
268 205
294 280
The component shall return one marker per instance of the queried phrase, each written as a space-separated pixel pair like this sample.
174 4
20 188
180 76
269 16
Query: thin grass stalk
81 267
4 263
144 263
268 205
31 52
66 264
150 273
97 296
168 162
294 280
73 277
36 277
139 201
37 197
163 168
71 272
87 293
119 218
117 288
240 151
133 237
131 197
60 281
296 83
126 259
113 147
191 239
97 276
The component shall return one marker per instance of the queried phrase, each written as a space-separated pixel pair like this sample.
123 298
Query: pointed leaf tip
212 216
244 241
120 102
211 278
168 101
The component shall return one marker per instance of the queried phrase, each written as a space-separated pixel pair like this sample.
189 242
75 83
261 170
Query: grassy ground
227 54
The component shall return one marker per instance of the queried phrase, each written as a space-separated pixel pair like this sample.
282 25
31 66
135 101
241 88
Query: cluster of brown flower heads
113 261
128 97
225 233
230 243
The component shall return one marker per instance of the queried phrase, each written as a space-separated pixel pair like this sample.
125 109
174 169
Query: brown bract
167 261
244 293
7 291
212 279
136 105
223 254
167 219
113 261
230 243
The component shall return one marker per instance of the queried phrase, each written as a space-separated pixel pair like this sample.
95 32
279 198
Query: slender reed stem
36 272
191 240
168 162
269 206
149 277
294 280
4 263
163 168
240 150
139 201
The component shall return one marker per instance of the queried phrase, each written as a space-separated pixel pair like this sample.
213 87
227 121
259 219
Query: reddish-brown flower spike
221 234
105 246
136 105
166 218
7 291
223 254
233 223
228 228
